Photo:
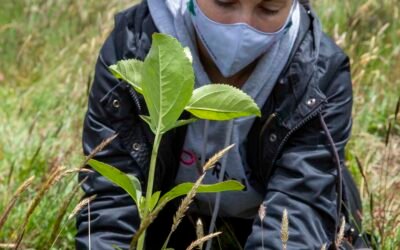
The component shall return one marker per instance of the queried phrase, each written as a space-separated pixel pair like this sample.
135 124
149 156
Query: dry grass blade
145 223
7 246
285 229
62 211
99 148
262 211
396 113
11 204
388 133
340 235
361 169
184 206
77 170
213 160
201 241
45 186
83 203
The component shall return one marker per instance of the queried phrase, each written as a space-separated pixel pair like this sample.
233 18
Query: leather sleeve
304 181
113 215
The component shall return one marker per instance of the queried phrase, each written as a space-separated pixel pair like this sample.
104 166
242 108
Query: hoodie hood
205 138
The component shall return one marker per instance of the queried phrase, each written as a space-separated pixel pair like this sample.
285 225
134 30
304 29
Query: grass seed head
285 229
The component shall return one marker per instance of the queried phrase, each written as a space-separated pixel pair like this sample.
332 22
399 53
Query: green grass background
47 53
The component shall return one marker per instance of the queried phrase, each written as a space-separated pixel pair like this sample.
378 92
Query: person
292 157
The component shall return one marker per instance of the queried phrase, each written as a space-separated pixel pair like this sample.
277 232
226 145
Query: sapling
166 81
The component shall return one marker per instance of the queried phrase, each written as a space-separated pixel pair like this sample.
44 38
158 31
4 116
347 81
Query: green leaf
142 205
129 71
154 199
147 119
167 81
116 247
128 183
184 122
178 123
221 102
135 181
184 188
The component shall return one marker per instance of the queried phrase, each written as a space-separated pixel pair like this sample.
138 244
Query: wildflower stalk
46 185
285 229
201 241
16 195
340 235
261 215
184 206
200 231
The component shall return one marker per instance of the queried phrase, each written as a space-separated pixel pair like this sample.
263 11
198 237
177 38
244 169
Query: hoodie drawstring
205 140
228 138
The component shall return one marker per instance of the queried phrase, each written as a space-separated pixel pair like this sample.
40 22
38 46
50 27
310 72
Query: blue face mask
233 46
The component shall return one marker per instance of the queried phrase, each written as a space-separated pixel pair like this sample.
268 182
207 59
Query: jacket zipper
135 98
298 126
302 123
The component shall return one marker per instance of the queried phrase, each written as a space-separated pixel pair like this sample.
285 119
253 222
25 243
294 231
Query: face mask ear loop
339 178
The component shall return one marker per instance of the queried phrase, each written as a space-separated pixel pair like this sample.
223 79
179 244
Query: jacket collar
294 99
297 93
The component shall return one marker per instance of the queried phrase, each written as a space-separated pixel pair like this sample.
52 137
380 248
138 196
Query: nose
246 17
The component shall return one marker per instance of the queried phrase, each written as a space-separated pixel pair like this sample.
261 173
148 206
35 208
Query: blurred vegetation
369 31
48 49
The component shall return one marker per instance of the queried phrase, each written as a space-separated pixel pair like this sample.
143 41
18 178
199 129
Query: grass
369 31
47 55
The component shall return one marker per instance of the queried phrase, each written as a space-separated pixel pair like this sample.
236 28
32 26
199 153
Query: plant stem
140 244
150 183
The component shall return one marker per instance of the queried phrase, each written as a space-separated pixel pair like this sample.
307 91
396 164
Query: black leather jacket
295 148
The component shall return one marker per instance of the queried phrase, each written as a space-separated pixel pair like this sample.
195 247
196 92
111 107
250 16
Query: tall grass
47 53
369 31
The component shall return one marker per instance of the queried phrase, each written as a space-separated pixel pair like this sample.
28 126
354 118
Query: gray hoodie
205 138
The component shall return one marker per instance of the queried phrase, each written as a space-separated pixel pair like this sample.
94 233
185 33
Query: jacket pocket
122 114
118 104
